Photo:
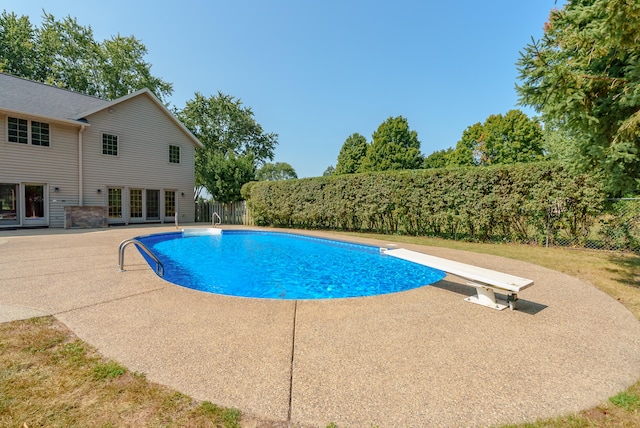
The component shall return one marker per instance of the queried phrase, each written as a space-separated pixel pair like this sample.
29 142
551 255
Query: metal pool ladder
215 215
123 245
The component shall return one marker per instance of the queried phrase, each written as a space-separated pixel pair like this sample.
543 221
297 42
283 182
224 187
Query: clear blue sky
315 72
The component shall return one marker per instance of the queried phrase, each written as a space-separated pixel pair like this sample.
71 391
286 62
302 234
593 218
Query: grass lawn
48 377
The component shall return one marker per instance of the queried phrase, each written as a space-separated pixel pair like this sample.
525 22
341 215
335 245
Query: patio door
9 204
135 206
35 205
169 205
153 204
114 197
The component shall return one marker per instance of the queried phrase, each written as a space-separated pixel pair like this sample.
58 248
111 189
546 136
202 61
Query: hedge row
525 203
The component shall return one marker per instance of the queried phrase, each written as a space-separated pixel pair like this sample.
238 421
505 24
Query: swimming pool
278 265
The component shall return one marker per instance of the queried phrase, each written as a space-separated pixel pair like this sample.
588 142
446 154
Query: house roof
28 97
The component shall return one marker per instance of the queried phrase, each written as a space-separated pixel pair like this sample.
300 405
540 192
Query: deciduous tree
437 159
65 54
512 138
17 48
276 171
224 174
228 131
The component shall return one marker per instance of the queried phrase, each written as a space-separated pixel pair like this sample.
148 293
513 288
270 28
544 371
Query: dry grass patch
48 377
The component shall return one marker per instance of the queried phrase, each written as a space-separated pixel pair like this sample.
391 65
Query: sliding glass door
153 204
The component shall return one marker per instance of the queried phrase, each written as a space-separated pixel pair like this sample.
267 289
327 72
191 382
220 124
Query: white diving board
486 281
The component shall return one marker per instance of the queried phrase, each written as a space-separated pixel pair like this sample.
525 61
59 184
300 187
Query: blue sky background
315 72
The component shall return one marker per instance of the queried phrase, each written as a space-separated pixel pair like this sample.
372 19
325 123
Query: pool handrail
215 215
123 245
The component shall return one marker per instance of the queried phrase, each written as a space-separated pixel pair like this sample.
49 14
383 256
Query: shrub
533 202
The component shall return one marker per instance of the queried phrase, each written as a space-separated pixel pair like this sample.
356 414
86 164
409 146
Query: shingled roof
32 98
29 97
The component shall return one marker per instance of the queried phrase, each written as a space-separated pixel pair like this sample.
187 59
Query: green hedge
525 203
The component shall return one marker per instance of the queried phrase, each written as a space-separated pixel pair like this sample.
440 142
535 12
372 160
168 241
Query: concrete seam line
104 302
293 349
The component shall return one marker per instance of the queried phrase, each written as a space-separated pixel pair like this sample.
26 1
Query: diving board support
486 296
485 281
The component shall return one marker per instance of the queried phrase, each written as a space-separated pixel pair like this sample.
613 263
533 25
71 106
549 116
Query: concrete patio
418 358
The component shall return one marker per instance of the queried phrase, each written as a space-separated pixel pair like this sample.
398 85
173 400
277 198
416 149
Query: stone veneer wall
85 217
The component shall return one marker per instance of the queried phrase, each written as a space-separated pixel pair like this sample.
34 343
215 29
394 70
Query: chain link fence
617 228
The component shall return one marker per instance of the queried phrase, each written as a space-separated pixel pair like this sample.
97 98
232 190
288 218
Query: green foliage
229 418
232 139
523 202
352 154
223 124
329 171
465 153
626 401
438 159
64 53
621 228
512 138
17 48
224 175
559 146
394 147
583 76
276 171
108 370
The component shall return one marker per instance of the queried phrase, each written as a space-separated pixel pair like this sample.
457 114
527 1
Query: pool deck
418 358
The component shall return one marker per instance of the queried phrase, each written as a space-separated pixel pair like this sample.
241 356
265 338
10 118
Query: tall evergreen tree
582 75
351 154
394 147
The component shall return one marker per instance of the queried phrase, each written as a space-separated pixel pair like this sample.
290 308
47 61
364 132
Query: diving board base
485 296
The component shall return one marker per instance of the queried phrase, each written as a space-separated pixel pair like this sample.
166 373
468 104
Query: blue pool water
282 266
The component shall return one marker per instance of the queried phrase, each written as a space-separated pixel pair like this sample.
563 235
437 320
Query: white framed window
39 133
24 131
109 144
174 154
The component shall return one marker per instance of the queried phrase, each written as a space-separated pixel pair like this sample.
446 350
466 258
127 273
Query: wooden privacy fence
233 213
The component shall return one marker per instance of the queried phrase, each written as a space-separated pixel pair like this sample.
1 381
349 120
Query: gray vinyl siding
144 134
54 166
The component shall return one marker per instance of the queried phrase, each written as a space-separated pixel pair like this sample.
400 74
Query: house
65 156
